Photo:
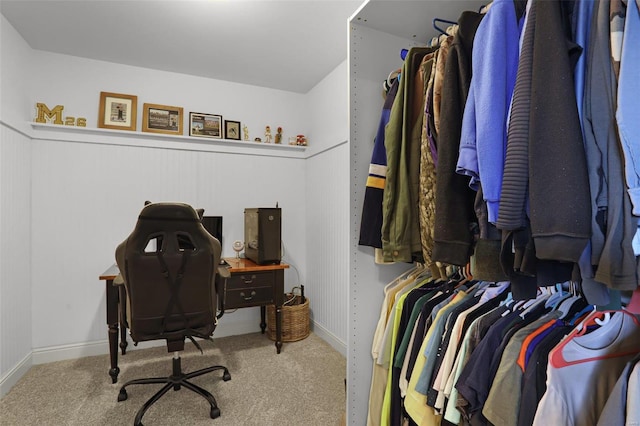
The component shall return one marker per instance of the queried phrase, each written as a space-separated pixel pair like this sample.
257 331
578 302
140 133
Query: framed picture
205 125
232 130
162 119
118 111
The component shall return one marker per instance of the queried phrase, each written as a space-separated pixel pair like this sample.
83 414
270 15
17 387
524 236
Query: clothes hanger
531 305
580 316
509 300
416 272
555 299
557 296
444 21
565 305
594 318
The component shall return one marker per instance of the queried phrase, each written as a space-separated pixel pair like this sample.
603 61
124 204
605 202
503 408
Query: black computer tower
262 235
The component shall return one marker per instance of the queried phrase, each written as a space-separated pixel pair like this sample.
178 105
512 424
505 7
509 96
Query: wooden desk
249 285
256 285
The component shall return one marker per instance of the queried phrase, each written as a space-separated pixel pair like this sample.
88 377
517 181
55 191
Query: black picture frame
232 130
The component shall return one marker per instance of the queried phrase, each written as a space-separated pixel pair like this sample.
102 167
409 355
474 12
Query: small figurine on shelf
267 134
279 135
257 140
245 130
301 140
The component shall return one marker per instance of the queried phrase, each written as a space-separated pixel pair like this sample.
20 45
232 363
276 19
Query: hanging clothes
624 398
426 190
454 199
613 224
466 351
400 223
484 127
397 287
371 222
583 370
626 115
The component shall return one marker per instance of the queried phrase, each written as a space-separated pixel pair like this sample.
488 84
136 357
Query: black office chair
169 265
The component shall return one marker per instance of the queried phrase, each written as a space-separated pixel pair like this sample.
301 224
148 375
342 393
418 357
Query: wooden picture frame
232 130
162 119
205 125
118 111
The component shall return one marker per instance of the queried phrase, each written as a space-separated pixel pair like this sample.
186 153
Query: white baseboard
330 338
101 347
71 351
12 376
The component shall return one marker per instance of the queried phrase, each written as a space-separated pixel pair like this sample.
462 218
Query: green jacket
400 223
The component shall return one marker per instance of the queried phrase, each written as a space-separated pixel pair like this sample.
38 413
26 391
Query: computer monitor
213 225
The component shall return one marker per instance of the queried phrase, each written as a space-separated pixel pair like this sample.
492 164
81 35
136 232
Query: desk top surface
246 265
235 265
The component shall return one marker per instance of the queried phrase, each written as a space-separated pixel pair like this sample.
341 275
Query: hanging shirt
415 402
577 393
613 412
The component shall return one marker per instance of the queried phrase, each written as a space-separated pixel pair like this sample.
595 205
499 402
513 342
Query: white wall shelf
56 132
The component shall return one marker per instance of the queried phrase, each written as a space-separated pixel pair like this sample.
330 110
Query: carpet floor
303 385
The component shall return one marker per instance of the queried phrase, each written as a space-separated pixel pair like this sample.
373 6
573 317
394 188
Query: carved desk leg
279 301
278 328
122 307
263 321
112 323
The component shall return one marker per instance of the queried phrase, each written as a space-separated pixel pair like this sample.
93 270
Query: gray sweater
612 222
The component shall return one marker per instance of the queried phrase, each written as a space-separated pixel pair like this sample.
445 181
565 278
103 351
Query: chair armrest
223 271
224 274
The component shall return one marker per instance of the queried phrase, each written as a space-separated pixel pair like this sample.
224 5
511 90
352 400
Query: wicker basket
295 319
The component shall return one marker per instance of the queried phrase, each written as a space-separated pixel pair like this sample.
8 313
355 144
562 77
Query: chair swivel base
175 381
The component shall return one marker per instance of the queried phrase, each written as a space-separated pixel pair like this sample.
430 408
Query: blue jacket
371 223
484 127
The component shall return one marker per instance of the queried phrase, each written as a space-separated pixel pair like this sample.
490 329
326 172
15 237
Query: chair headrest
169 211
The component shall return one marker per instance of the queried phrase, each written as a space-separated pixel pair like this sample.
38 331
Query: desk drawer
250 280
253 296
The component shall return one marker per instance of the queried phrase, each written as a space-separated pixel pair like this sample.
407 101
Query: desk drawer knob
253 293
248 280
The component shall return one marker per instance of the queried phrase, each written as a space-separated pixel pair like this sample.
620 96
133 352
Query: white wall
86 198
15 63
327 208
15 256
15 214
329 111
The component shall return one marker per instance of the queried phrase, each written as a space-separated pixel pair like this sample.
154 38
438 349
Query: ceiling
289 45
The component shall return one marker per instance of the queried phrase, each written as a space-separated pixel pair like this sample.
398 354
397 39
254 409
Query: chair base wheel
176 381
215 413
